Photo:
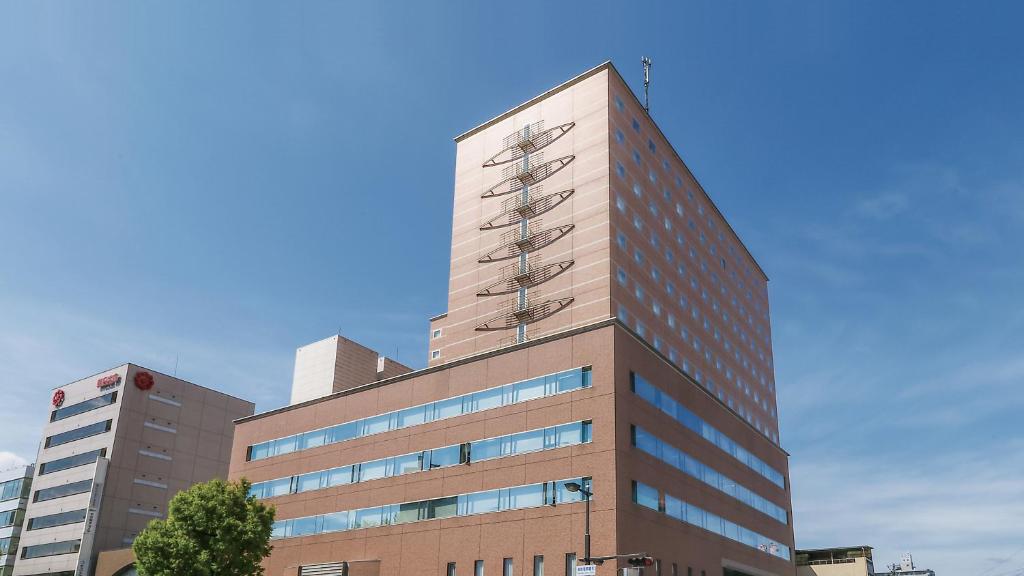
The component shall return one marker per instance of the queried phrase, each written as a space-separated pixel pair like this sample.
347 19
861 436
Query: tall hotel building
606 329
118 445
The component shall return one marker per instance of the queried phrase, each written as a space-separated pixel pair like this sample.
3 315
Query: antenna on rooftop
647 81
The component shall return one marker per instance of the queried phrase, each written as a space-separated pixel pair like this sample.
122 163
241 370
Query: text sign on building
108 381
586 570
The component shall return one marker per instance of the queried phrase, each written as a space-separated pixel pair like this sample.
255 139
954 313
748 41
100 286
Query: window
684 416
12 489
51 549
81 407
618 103
538 565
436 333
636 157
621 275
636 125
620 238
62 490
8 545
435 354
538 439
620 169
11 517
620 203
570 564
651 146
651 444
78 434
619 136
59 519
71 461
530 496
506 567
690 514
478 568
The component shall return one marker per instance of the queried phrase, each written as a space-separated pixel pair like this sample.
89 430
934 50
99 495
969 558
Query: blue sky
219 183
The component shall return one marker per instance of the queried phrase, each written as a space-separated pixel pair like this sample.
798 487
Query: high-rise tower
574 208
606 334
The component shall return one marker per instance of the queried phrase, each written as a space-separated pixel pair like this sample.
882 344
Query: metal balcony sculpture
516 209
521 176
525 313
527 141
513 277
514 245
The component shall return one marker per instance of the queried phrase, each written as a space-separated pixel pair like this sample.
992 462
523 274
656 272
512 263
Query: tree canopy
212 529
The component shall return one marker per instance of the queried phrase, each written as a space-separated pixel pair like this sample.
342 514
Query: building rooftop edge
613 321
855 547
574 80
608 65
158 372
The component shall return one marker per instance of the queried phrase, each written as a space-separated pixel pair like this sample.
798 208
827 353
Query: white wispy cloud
43 346
10 460
958 510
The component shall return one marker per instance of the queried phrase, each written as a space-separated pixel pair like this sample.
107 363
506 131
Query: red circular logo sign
143 380
58 398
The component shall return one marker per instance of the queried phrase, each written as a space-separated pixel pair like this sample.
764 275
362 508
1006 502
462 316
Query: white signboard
586 570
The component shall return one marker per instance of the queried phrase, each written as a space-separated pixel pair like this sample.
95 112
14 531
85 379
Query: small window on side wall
435 354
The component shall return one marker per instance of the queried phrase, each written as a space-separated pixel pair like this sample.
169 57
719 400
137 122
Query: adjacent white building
15 487
117 446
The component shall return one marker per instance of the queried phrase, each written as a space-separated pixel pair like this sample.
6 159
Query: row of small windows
683 462
487 501
507 566
740 263
78 433
498 396
648 497
639 224
671 290
71 461
706 382
668 405
84 406
550 438
743 313
17 488
723 367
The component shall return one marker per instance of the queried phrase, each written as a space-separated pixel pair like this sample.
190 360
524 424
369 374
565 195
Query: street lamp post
587 495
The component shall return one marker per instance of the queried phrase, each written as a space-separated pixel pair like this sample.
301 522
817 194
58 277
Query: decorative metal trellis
525 235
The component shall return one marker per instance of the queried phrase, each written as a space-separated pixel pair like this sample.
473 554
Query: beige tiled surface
584 103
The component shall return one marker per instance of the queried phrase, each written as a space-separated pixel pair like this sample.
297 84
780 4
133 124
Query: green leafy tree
212 529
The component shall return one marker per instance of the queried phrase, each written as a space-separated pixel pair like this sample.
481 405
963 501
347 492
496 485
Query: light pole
587 495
